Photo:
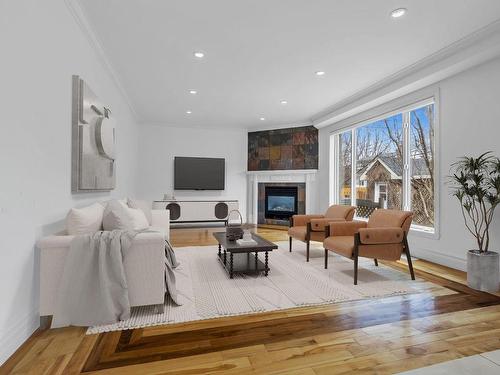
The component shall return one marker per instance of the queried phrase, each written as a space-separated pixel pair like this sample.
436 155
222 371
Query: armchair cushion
302 220
382 218
342 245
341 212
319 225
390 251
347 228
370 236
300 233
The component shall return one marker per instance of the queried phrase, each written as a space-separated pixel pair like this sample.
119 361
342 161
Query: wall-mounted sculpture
93 142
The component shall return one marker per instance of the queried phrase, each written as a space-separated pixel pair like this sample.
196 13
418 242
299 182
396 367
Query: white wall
42 46
469 114
159 144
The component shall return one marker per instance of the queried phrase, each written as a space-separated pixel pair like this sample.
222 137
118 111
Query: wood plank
445 320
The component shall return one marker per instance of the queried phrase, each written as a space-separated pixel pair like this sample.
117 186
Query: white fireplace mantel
307 176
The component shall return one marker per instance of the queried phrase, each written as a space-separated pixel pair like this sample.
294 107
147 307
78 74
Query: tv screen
199 173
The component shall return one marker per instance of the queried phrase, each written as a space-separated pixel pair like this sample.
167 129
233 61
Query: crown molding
472 50
79 15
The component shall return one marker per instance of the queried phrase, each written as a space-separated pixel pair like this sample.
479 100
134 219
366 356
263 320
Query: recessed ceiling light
189 112
193 92
400 12
262 119
284 102
320 73
199 55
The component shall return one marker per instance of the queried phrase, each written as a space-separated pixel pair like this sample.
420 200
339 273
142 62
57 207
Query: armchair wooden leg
408 258
357 241
308 239
376 262
326 259
356 269
290 239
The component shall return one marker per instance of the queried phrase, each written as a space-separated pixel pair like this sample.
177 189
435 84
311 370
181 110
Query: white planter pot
483 270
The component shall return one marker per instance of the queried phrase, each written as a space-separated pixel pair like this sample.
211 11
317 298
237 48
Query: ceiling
259 52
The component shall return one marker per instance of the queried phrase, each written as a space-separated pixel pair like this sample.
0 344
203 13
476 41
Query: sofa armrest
302 220
345 228
318 225
54 241
161 220
372 236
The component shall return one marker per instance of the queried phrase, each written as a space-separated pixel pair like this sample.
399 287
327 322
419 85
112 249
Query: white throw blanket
93 288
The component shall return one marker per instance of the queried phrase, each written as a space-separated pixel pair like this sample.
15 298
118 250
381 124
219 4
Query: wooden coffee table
244 259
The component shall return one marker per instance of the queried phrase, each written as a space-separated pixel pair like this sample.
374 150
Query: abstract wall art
93 142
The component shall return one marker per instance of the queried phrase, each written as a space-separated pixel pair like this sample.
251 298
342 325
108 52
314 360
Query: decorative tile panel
283 149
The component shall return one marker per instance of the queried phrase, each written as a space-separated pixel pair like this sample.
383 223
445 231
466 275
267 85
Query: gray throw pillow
144 206
115 217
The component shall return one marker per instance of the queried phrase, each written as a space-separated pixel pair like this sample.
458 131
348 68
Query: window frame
404 106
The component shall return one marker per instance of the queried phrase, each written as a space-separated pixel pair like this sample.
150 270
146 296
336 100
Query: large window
388 163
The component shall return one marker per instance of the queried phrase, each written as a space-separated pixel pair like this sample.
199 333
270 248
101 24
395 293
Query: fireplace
281 202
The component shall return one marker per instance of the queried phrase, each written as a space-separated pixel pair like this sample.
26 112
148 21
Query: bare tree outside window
380 158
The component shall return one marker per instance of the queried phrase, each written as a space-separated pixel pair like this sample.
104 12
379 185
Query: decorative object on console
476 184
282 149
234 231
93 142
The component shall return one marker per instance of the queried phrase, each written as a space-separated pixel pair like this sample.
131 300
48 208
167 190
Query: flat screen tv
199 173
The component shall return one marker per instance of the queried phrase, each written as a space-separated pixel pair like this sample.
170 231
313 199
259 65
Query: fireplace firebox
280 202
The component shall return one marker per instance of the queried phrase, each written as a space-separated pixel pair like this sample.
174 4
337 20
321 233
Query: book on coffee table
245 242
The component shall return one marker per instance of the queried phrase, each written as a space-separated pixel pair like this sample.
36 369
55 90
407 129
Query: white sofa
144 265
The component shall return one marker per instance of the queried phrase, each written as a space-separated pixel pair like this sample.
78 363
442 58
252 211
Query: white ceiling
259 52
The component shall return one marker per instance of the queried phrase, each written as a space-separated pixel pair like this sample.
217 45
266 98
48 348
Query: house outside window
392 161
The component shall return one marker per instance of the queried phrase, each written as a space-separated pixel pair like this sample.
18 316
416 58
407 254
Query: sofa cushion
138 218
142 205
85 220
118 215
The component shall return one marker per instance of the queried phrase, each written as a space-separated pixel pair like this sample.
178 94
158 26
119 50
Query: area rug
207 291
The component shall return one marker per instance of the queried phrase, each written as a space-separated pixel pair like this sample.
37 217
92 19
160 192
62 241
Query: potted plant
476 184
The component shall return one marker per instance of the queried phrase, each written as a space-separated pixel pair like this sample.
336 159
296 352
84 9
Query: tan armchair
308 228
384 236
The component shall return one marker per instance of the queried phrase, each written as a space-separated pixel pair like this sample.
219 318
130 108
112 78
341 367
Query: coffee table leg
224 257
256 261
219 250
267 268
230 265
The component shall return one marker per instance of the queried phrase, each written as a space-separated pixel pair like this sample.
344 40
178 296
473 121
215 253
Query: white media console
197 211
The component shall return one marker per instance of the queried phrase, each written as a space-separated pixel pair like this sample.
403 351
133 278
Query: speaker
221 210
175 210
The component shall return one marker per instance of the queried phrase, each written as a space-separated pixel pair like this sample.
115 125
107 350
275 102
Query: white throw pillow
115 217
118 215
85 220
142 205
138 218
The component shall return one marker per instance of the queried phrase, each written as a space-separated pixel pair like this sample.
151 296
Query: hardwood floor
379 336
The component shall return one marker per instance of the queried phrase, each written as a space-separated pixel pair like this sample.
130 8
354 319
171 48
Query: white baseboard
12 338
439 258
